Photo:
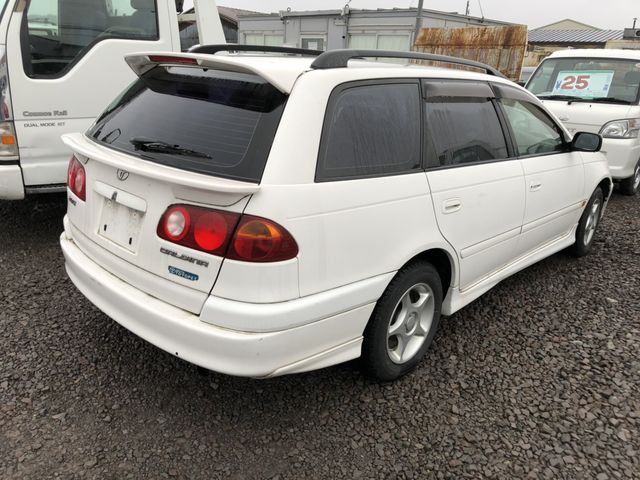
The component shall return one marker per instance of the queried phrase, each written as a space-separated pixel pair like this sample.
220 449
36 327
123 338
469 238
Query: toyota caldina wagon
259 215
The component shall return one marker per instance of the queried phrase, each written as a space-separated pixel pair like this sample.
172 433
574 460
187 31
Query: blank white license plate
120 224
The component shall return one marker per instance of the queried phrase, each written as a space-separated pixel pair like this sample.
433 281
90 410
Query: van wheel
589 223
403 322
631 185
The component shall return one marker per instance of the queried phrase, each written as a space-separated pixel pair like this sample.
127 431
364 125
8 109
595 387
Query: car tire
403 323
588 224
631 185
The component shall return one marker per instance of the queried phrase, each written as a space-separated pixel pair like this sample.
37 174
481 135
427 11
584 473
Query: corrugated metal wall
500 47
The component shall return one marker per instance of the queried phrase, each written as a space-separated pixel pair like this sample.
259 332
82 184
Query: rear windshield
206 121
603 80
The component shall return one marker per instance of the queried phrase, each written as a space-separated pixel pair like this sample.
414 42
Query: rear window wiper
158 146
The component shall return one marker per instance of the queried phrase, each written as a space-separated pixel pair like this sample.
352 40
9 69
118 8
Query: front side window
602 80
60 32
463 130
535 133
371 130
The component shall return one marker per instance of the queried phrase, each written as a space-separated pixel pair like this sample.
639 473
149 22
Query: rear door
179 137
554 175
477 187
66 63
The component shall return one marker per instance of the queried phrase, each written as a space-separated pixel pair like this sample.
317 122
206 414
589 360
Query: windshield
603 80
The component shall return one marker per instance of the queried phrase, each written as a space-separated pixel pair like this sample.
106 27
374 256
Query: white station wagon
261 214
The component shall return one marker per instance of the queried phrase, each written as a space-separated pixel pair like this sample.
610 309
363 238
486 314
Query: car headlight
628 128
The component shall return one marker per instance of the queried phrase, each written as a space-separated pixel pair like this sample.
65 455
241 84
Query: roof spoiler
141 63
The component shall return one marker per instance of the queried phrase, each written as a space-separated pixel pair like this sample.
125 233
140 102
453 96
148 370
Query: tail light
77 179
238 237
198 228
8 144
260 240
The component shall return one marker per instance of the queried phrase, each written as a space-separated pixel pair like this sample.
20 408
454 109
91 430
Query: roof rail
340 59
233 47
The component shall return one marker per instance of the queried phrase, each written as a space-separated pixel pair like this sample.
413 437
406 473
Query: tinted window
212 122
463 130
371 130
60 32
535 133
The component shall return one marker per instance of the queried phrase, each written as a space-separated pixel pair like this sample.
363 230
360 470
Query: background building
572 34
389 29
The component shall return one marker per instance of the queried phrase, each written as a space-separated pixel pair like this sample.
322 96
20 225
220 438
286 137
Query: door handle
451 206
534 187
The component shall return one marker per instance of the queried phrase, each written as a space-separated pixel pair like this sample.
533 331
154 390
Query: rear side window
371 130
205 121
463 130
57 33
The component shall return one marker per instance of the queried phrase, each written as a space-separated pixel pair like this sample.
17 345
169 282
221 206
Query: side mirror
586 142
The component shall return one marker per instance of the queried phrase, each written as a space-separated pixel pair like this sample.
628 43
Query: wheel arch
606 184
443 261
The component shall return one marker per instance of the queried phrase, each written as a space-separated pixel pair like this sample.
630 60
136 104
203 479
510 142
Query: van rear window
205 121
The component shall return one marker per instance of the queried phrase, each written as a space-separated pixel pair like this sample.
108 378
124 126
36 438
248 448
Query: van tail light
77 179
238 237
8 143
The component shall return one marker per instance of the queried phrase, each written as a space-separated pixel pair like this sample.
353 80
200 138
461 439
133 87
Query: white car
597 91
259 215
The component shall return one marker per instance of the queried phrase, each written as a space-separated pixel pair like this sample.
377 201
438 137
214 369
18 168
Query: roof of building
228 13
379 11
574 36
578 25
234 13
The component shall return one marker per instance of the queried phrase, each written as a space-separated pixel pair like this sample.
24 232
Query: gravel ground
537 379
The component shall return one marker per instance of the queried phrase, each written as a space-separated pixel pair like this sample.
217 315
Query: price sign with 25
579 82
583 84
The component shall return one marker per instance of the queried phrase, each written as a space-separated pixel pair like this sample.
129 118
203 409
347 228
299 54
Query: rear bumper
11 185
622 156
324 342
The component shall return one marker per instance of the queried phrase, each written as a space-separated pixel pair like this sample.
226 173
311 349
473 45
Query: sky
617 14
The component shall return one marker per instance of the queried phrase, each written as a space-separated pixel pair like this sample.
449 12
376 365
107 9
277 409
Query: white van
61 63
597 91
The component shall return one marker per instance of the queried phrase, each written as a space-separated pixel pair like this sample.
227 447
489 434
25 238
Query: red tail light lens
261 240
198 228
238 237
77 179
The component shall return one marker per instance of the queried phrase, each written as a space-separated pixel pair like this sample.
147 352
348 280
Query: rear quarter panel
346 230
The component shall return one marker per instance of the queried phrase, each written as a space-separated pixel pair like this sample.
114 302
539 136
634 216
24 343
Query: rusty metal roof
574 36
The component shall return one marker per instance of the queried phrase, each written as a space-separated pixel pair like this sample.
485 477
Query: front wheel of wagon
588 224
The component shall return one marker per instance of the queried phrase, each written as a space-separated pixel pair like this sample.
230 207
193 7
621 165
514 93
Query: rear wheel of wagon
403 323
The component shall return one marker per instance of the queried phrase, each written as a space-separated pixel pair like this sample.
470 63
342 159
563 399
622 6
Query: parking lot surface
540 378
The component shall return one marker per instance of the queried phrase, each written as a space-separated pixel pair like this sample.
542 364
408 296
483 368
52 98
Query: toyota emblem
122 175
